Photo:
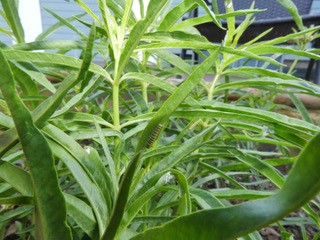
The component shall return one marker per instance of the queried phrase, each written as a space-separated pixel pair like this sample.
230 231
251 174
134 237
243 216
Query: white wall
31 20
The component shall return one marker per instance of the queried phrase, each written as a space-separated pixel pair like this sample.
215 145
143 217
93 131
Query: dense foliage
147 145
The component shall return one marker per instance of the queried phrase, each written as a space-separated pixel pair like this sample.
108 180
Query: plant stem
297 58
115 105
144 89
144 85
226 92
213 84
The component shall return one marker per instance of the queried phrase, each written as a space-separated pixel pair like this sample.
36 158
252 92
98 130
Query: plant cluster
121 151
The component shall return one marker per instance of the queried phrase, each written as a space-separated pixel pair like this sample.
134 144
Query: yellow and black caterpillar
154 135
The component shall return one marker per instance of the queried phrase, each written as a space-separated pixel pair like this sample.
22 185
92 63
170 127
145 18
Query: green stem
141 8
116 121
296 60
213 84
144 85
144 89
115 105
230 23
226 92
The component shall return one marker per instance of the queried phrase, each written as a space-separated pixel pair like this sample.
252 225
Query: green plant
130 151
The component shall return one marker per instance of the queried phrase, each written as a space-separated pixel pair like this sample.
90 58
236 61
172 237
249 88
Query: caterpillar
196 123
154 135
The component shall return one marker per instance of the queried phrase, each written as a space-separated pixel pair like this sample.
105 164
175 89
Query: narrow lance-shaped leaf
185 6
109 159
175 157
51 58
138 30
81 213
46 108
293 10
49 202
155 187
88 10
281 85
12 17
87 170
50 30
210 46
110 24
66 23
84 75
19 179
16 177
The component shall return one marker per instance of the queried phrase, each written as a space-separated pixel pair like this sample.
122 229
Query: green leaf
48 107
88 10
190 22
17 200
176 156
174 60
205 199
12 17
177 97
66 23
270 49
184 195
6 121
161 36
88 171
7 140
301 108
255 163
179 10
81 213
213 169
43 112
51 58
84 75
109 160
16 177
35 74
21 180
236 221
156 81
272 120
293 10
259 71
25 81
77 98
154 8
275 84
252 54
135 206
88 118
110 26
20 211
292 36
61 45
49 201
50 30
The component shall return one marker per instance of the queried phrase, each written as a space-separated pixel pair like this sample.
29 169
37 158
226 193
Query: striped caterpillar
154 135
195 124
